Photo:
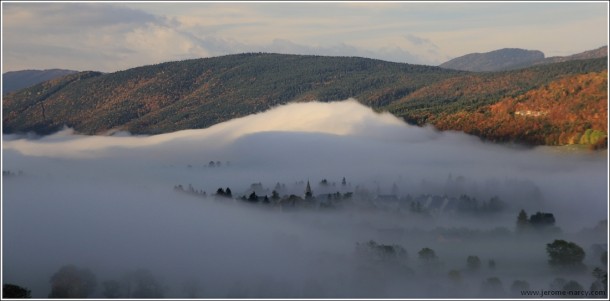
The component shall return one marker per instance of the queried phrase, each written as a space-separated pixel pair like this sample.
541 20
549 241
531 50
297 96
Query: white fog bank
107 202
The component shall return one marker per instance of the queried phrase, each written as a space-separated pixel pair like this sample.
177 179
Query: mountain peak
497 60
589 54
17 80
515 58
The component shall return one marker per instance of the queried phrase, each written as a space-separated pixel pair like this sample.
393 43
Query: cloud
113 37
64 18
419 41
90 37
312 118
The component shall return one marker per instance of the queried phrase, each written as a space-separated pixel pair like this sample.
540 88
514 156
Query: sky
115 36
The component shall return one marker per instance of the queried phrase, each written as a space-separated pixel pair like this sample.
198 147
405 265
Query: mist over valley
304 150
392 210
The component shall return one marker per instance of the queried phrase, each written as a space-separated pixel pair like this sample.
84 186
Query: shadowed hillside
497 60
590 54
514 58
16 80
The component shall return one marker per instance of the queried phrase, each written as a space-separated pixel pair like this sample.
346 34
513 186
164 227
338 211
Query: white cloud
312 117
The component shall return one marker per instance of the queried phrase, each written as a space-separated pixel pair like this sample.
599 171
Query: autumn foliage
571 110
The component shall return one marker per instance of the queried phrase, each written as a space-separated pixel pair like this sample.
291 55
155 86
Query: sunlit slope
571 110
200 93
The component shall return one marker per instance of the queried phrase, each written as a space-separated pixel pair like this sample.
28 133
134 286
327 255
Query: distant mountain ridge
514 58
17 80
497 60
589 54
199 93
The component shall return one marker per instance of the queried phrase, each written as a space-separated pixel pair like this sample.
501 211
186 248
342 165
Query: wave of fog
106 202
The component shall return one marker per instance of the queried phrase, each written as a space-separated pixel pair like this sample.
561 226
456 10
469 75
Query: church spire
308 193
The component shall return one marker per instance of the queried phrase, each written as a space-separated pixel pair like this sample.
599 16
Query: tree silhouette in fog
491 264
224 193
228 193
427 255
541 220
522 222
473 263
381 252
275 196
565 254
72 282
455 276
253 198
601 280
15 291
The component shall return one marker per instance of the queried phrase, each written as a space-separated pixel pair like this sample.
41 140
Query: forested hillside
474 90
199 93
202 92
571 110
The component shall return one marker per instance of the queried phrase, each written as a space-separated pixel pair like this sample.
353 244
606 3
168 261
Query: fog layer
107 202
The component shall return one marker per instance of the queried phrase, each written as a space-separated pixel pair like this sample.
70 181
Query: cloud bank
107 203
